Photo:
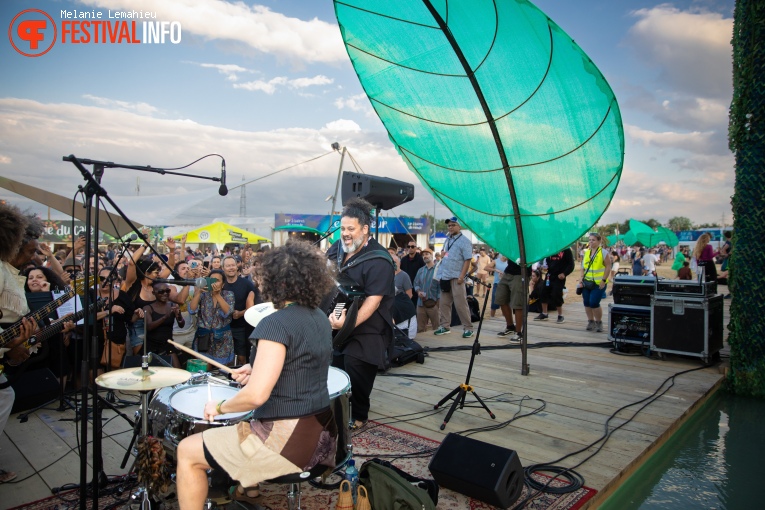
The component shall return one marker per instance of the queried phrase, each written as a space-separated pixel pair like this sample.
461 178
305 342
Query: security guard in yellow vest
596 266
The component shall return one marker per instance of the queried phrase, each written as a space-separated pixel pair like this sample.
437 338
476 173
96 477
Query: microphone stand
460 392
90 362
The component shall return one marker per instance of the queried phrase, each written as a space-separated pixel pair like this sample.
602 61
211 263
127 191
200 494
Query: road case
690 326
629 324
633 290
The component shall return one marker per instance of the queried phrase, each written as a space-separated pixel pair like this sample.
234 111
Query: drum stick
200 356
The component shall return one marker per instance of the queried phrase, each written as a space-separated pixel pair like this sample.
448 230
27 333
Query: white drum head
192 399
254 314
338 382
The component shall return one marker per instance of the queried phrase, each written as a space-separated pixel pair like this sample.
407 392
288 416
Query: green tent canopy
496 110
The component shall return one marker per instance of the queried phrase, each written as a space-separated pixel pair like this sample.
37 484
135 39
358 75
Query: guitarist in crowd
365 261
18 243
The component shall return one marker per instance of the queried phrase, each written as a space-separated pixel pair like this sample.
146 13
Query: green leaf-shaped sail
496 110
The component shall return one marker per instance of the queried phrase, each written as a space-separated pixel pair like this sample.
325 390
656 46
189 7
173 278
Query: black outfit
562 262
410 265
118 329
307 335
367 349
156 339
240 330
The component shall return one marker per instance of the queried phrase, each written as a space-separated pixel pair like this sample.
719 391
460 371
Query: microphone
201 282
223 190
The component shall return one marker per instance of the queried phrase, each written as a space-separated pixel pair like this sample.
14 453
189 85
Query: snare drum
176 412
339 388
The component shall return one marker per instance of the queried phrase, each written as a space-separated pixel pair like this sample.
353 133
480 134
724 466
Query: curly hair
34 226
13 223
296 272
50 276
360 209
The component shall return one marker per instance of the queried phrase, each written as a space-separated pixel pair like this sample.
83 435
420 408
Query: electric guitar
14 330
56 328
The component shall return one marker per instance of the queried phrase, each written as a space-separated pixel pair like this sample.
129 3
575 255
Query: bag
590 285
475 309
389 487
579 289
404 350
204 341
403 308
429 303
446 285
116 351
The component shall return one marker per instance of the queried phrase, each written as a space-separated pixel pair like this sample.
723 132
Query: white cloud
695 141
230 71
342 125
37 135
357 103
270 86
139 108
292 39
692 50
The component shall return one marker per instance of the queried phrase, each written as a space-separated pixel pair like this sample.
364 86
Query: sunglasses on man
163 291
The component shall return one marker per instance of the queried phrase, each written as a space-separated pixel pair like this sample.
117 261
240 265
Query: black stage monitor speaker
382 192
482 471
34 388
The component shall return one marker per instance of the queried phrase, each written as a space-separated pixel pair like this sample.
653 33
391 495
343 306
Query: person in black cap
452 271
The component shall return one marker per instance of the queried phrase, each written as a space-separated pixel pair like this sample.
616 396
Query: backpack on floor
404 350
391 488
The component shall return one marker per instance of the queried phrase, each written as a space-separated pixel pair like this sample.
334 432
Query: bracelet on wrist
217 408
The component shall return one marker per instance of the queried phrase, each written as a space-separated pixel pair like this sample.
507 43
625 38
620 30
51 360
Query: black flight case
628 324
633 290
687 325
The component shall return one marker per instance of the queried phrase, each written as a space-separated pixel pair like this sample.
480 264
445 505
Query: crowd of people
198 298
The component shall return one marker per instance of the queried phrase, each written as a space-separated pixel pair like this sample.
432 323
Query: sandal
6 476
245 495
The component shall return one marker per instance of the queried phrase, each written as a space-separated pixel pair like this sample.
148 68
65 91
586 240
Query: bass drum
339 388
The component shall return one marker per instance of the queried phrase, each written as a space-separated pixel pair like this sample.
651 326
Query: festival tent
671 237
650 237
220 234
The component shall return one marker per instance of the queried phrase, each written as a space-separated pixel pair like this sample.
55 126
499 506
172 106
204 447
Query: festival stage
581 386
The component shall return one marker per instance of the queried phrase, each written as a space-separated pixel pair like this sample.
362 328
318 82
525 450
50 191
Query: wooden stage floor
581 386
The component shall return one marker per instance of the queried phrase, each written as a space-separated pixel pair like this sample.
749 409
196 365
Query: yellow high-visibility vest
594 267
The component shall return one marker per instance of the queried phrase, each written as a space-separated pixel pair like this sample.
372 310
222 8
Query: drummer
286 382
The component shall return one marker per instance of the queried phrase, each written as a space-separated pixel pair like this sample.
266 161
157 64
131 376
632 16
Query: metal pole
337 187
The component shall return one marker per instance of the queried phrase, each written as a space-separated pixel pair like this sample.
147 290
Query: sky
268 85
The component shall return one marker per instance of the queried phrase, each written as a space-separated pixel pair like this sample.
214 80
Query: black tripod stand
460 392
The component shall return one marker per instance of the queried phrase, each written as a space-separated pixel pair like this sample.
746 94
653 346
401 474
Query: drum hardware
143 380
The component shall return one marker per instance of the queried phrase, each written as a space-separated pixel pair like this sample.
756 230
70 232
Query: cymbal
131 379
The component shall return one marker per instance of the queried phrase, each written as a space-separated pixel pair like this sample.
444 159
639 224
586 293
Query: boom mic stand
90 359
460 392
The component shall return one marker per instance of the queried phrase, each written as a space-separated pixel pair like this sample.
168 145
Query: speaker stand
460 392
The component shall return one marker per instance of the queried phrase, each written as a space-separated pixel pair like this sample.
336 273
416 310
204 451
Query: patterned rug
374 440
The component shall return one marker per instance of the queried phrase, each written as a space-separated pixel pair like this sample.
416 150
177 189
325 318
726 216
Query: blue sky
268 84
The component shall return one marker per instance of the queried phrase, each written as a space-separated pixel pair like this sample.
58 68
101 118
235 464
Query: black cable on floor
552 466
